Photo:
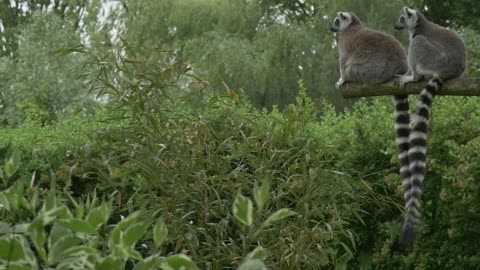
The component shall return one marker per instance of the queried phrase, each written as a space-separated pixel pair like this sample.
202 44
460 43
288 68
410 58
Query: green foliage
450 13
160 232
444 178
179 173
17 13
64 150
39 84
208 176
62 241
472 41
297 10
212 139
242 43
166 122
254 260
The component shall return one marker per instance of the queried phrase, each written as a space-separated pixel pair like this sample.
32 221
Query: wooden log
454 87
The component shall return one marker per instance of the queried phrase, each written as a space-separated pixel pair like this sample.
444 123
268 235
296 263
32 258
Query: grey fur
434 51
366 56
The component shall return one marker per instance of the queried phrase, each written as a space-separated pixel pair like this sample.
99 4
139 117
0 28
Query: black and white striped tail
417 157
402 128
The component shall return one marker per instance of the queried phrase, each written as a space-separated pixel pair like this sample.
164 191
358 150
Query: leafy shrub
179 135
164 131
58 238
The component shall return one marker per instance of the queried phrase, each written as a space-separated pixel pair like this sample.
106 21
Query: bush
164 131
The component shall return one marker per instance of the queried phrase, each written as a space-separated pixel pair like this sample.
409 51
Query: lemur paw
339 84
402 80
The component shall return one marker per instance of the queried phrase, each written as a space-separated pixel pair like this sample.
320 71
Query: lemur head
343 21
409 19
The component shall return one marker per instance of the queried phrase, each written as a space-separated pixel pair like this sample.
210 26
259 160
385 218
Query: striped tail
402 128
417 157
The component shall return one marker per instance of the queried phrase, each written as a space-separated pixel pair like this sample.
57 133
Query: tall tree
38 83
264 47
14 14
451 12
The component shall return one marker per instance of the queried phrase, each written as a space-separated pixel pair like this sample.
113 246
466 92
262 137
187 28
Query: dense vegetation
208 134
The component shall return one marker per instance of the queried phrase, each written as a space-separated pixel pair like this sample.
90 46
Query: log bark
454 87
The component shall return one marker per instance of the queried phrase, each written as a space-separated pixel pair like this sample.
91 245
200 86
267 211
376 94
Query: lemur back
439 54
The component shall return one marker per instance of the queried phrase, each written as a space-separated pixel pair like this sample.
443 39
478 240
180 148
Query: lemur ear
343 16
409 14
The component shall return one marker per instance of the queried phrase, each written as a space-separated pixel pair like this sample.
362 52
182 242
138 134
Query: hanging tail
402 128
417 157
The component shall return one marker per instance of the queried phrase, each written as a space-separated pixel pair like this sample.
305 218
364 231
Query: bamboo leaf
243 209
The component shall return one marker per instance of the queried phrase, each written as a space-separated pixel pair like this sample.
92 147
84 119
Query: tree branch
454 87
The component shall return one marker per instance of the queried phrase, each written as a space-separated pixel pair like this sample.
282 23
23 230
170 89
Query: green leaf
254 264
12 198
342 263
279 215
34 201
258 253
261 193
62 212
15 249
76 263
12 165
38 236
134 233
80 48
5 228
352 239
110 263
56 233
160 232
57 251
21 228
11 248
347 249
19 266
132 253
148 263
51 201
275 217
4 203
243 209
178 262
116 234
81 251
77 225
341 266
99 216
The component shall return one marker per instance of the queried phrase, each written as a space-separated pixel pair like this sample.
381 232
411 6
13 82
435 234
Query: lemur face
341 22
408 19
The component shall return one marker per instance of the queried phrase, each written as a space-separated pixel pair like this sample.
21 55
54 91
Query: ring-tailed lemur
439 54
366 56
372 57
